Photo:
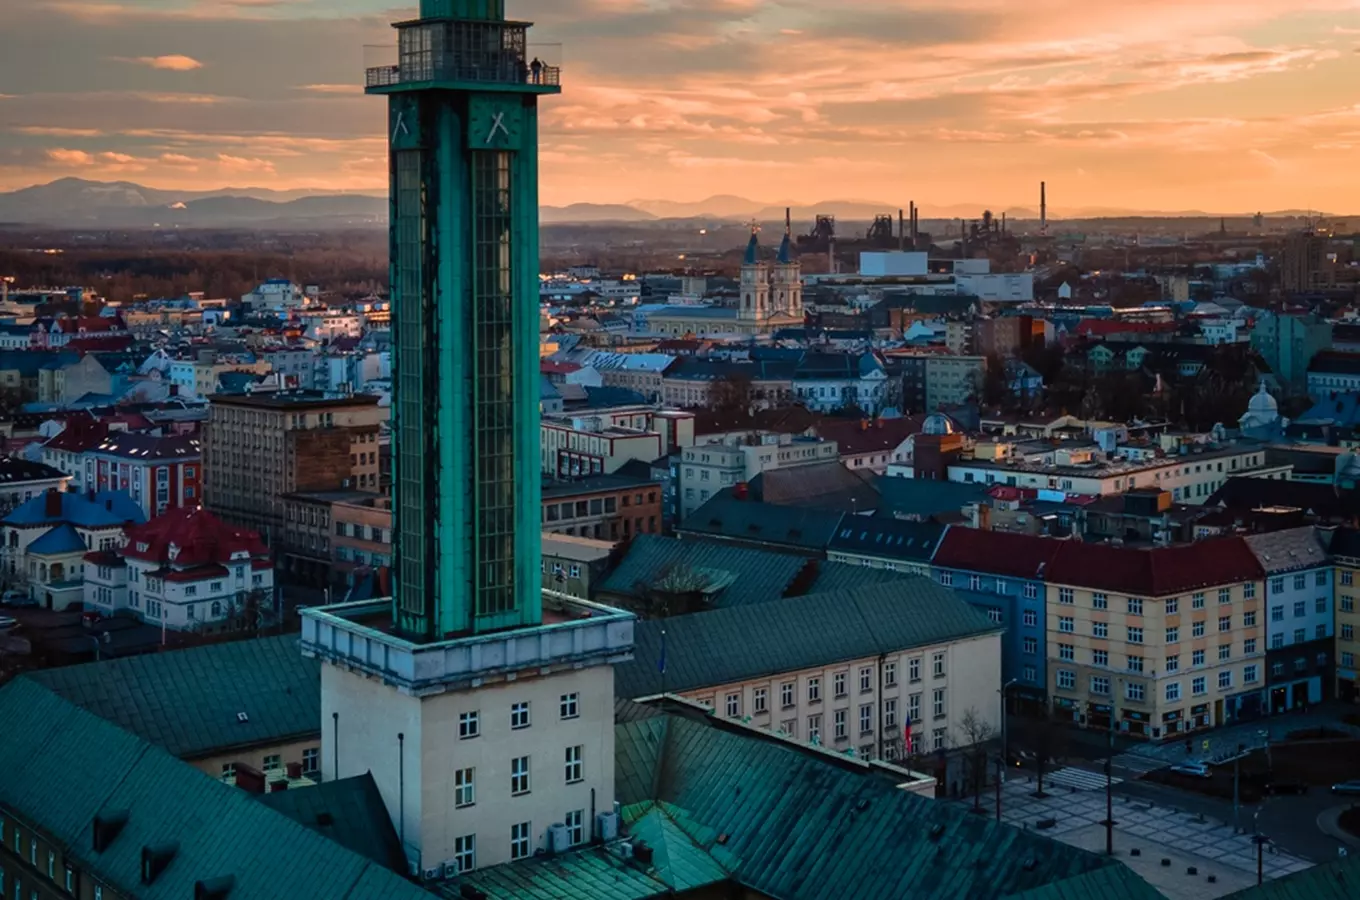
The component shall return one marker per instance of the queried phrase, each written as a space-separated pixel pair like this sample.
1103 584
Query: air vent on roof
242 717
106 827
214 888
936 832
1031 864
325 818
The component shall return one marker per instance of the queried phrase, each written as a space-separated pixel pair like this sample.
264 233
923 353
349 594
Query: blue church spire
752 249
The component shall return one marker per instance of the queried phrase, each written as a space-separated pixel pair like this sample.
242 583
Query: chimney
901 231
294 770
741 491
276 786
52 508
249 779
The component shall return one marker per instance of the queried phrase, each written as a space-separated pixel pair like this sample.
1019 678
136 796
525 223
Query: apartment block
1345 550
951 380
1156 643
604 507
706 469
259 447
1300 662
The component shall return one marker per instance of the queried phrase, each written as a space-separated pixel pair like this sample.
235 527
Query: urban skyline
1250 109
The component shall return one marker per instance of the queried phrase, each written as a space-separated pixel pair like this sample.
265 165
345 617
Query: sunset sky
1220 105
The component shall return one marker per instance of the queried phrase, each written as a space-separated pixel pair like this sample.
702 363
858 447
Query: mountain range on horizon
76 202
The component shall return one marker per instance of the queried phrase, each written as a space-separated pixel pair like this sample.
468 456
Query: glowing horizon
1249 104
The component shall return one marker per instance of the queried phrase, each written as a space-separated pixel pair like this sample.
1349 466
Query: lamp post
1005 758
1260 841
1109 776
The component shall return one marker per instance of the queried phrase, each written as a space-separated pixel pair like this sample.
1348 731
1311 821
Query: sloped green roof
1338 880
187 701
350 812
794 825
581 875
60 766
680 856
1114 882
723 646
760 575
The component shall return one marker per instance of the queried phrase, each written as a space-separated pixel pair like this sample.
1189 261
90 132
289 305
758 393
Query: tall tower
463 127
786 283
482 706
755 283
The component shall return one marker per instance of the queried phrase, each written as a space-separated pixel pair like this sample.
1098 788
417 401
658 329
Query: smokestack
901 231
1043 207
788 220
1003 223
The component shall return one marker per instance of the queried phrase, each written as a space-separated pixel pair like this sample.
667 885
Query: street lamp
1005 758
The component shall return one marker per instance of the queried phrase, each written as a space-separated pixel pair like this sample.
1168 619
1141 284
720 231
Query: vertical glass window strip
493 408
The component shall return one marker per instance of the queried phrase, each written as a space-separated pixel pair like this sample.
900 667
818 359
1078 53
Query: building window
1249 646
1135 663
1066 652
1100 684
1346 577
519 775
947 579
1173 635
1249 619
1100 601
1250 674
914 669
1300 635
1347 632
1065 624
1100 657
1300 581
937 703
1135 635
866 718
1320 605
974 582
1197 629
1225 679
1031 646
1173 664
1100 629
814 724
519 715
573 764
1197 600
464 788
1224 651
814 690
1225 595
1198 686
1030 618
273 762
733 705
937 739
1066 596
1197 658
1031 592
786 695
1135 606
1249 590
866 680
1067 679
995 615
838 724
890 674
1300 609
937 665
1173 691
1277 585
1348 604
1173 606
576 829
569 706
838 684
1135 690
311 760
519 840
890 713
469 725
228 774
760 700
465 852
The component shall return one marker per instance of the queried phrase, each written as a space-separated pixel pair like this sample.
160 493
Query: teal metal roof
723 646
758 576
187 701
1114 882
62 539
581 875
1339 880
726 517
60 766
350 812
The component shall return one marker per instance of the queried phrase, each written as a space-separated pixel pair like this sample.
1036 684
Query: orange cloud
173 63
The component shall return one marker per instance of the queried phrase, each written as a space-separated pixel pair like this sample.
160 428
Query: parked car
1347 787
1194 769
17 598
1286 787
7 623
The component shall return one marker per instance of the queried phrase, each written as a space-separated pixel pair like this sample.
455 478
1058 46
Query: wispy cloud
332 88
174 62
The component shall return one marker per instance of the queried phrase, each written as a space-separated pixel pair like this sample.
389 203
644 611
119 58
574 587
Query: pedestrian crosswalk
1138 764
1079 779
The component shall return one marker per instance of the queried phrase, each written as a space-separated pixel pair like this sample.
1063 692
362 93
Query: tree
977 731
1044 738
994 392
731 393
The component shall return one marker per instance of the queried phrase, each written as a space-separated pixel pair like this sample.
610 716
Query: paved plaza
1157 833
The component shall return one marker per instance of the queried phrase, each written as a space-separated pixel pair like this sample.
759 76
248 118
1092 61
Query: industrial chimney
1043 208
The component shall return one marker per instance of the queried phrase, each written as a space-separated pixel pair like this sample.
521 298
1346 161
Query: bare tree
730 393
976 731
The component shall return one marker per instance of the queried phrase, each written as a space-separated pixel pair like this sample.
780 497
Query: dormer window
143 546
174 552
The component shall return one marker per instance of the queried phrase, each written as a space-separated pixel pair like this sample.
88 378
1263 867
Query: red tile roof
200 537
1157 572
79 435
553 367
1102 327
856 436
996 552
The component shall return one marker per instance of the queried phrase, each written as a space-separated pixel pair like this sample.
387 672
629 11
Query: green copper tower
463 128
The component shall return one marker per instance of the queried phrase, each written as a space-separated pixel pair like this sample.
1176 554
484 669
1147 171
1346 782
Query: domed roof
1261 401
938 423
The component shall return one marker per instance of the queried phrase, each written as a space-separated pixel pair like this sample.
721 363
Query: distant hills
78 203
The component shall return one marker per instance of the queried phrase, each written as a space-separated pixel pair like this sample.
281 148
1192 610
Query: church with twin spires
771 298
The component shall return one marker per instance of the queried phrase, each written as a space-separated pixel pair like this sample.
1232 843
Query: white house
184 570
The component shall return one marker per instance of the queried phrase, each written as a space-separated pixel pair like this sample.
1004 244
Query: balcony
463 52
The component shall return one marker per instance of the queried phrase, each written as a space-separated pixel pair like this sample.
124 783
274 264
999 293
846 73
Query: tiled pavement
1157 831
